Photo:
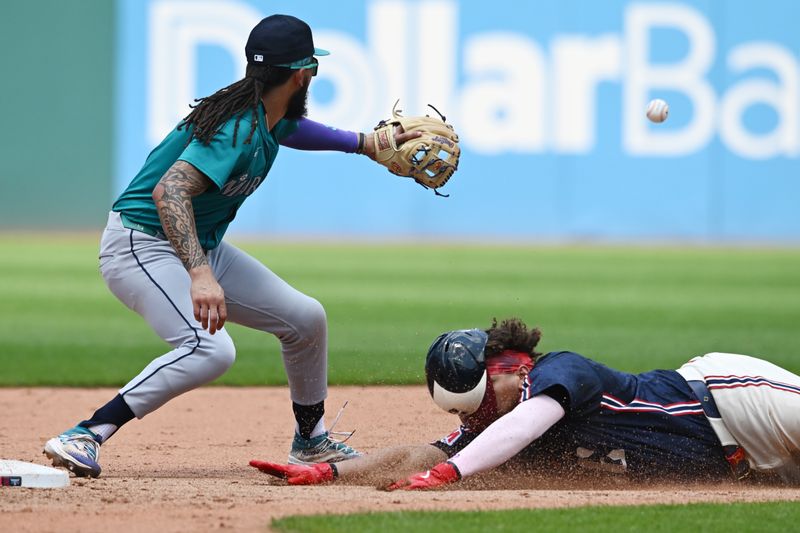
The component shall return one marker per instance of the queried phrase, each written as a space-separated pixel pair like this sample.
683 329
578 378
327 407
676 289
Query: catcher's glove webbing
429 159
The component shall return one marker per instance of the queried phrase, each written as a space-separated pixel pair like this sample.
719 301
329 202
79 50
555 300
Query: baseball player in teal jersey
163 255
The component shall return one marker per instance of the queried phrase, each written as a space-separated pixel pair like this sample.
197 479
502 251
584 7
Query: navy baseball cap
280 39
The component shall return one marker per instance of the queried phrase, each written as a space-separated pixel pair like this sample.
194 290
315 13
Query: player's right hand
208 299
297 474
439 475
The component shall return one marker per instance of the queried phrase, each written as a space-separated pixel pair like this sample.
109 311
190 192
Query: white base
22 474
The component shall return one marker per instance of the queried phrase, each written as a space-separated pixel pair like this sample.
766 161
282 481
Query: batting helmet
456 371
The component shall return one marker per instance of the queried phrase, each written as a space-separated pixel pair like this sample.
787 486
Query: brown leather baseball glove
430 159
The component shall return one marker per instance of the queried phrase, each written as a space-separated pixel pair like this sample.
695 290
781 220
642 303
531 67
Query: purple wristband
312 135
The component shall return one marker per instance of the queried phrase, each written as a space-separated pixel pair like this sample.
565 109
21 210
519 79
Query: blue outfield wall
548 98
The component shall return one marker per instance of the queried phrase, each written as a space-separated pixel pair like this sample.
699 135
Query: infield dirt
184 467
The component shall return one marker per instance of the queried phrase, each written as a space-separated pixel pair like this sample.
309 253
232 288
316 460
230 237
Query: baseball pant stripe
197 337
732 382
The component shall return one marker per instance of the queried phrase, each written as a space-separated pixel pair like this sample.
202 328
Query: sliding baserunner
718 416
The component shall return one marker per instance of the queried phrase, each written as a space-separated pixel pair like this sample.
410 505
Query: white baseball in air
657 110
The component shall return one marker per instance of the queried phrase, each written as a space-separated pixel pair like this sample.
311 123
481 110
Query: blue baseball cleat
320 449
77 450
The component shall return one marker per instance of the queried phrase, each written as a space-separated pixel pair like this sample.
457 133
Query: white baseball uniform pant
759 403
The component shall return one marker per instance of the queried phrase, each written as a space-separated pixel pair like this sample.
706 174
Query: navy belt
734 453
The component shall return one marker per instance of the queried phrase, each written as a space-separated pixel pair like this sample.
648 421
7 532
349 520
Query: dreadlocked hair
211 112
512 334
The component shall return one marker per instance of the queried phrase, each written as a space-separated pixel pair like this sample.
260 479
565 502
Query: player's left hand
439 475
423 148
297 474
400 136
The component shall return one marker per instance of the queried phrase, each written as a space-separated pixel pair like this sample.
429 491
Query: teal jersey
235 170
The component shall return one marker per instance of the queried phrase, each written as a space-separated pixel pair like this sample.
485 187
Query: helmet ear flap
461 403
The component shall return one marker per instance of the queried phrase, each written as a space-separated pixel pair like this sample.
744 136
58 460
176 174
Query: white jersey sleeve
509 435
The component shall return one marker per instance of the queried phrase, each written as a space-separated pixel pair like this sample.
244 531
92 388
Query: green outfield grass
708 518
632 308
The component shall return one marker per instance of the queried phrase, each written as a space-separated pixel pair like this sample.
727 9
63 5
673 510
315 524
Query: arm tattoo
173 198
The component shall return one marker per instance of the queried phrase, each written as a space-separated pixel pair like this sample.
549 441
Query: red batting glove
298 474
441 474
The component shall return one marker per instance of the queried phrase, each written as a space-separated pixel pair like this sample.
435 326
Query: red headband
508 362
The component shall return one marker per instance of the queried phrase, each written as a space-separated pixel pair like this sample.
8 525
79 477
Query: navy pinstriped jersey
647 423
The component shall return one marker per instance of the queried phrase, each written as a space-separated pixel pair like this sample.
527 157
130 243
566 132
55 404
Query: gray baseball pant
145 273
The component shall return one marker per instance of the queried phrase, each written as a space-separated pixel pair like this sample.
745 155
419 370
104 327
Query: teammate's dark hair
512 334
211 112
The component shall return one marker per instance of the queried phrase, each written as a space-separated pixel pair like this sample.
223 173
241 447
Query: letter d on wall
177 29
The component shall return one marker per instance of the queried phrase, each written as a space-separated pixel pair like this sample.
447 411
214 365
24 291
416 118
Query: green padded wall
56 103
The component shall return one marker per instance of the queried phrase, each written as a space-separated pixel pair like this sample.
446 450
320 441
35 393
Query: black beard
297 107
